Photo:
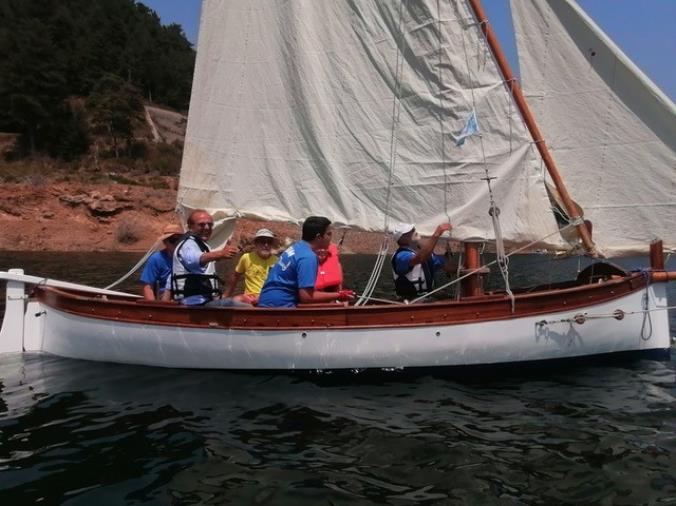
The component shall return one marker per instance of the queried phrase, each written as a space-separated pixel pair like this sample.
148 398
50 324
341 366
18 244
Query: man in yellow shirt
254 266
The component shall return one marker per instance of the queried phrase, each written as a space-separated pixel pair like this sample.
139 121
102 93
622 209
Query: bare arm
426 251
148 292
234 279
310 295
219 254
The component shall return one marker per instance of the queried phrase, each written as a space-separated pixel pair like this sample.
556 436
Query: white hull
491 342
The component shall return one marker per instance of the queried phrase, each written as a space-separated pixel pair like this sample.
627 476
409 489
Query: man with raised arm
413 264
193 280
292 279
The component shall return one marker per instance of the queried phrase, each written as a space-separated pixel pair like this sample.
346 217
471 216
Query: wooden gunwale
476 310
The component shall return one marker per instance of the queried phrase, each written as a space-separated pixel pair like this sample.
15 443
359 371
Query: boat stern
22 327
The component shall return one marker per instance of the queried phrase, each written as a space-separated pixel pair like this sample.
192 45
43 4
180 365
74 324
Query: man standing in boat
414 265
193 280
292 279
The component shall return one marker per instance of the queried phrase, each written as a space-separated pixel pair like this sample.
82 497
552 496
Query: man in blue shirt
292 279
414 265
158 267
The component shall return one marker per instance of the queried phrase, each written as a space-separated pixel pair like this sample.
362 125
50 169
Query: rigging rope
440 82
494 210
387 301
645 300
375 274
153 249
457 275
619 314
483 267
396 113
509 113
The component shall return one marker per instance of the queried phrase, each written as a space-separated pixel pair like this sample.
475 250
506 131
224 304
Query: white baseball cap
402 229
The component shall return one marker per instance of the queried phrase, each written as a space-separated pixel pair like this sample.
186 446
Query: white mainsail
293 113
612 132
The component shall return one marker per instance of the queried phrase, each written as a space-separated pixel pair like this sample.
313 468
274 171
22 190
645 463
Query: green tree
33 86
53 51
116 107
69 136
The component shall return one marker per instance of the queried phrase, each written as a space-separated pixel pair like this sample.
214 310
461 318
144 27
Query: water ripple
74 432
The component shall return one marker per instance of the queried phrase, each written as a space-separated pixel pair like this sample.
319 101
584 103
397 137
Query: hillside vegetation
75 74
93 95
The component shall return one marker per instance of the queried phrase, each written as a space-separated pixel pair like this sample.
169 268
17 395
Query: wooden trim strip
476 309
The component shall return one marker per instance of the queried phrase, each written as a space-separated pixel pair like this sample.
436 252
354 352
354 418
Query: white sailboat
375 112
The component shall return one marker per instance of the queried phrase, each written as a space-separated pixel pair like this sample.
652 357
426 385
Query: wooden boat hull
579 321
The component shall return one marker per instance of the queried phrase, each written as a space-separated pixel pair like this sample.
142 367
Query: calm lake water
82 433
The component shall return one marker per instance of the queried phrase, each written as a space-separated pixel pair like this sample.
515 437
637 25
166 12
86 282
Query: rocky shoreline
67 216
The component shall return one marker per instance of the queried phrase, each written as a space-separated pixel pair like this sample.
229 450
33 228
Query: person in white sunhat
414 263
254 266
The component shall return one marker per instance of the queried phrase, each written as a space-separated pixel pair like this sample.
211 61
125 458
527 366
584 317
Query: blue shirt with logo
296 268
156 271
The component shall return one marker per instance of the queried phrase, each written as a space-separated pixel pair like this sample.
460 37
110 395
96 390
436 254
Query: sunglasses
205 224
173 239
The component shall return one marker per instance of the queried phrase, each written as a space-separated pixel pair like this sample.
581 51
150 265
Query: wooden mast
517 94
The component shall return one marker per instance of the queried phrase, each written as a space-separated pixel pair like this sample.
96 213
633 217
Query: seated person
330 272
193 278
157 269
413 265
292 279
254 266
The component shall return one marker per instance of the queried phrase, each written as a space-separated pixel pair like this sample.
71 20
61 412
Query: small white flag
471 128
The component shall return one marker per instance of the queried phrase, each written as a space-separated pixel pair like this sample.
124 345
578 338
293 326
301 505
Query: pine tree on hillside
56 50
115 106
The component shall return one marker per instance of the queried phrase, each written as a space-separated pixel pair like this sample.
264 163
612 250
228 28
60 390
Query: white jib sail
302 107
611 130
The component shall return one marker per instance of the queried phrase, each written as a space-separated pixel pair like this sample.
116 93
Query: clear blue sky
644 29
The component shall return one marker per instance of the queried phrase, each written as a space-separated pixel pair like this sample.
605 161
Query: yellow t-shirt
255 270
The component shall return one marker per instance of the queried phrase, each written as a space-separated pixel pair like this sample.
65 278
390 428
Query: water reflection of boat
348 110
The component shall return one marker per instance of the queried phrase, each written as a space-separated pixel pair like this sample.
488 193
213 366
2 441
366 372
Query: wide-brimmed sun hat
170 230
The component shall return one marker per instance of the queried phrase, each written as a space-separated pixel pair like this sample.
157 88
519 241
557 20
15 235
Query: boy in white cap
254 266
413 265
157 269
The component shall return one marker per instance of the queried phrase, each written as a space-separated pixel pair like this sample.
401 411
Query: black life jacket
186 284
417 280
